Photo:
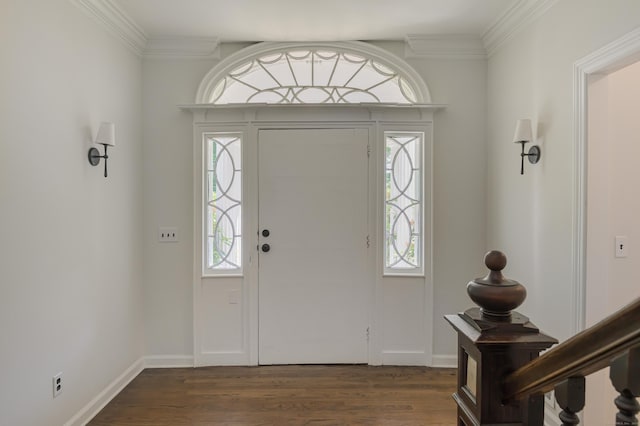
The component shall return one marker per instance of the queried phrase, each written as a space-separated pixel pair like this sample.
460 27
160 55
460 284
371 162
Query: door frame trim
615 55
249 120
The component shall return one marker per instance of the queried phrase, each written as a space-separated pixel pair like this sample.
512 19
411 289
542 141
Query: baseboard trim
168 361
94 406
404 358
445 361
222 358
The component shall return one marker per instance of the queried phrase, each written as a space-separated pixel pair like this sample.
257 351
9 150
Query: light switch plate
622 246
168 235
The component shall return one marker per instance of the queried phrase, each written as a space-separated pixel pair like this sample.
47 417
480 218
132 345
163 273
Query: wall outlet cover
57 384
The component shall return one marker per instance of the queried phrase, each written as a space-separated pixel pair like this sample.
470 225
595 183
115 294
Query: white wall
530 217
459 186
168 201
70 283
613 209
458 200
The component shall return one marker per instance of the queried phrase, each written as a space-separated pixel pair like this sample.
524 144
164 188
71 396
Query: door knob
266 248
265 233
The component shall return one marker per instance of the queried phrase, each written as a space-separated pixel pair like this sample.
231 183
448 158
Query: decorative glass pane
223 202
403 202
312 77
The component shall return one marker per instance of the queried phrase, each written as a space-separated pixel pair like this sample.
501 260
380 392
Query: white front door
314 293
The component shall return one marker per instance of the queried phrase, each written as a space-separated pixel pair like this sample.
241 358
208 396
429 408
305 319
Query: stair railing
613 342
502 378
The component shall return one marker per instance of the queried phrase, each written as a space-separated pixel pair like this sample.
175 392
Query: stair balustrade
502 378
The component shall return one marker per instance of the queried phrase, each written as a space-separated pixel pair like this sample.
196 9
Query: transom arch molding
312 73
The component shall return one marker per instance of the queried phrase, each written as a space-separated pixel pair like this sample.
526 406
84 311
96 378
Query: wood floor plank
291 395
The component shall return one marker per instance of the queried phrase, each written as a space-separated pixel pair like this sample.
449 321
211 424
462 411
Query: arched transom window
312 74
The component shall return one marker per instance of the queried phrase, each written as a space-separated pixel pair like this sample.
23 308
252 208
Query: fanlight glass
312 77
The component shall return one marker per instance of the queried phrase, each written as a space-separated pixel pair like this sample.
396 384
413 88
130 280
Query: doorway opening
594 238
613 208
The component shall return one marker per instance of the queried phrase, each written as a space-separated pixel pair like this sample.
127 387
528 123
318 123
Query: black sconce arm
94 157
533 155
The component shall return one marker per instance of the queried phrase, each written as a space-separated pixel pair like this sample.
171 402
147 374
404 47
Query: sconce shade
523 131
106 134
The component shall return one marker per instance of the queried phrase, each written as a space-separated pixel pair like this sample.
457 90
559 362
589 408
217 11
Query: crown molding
116 21
512 21
120 24
182 47
455 46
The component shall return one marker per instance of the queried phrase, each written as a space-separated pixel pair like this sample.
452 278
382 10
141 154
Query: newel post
493 341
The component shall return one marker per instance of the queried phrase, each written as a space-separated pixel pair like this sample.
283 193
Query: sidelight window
223 203
403 245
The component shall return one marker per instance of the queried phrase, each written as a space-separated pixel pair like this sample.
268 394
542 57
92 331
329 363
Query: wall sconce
523 135
107 137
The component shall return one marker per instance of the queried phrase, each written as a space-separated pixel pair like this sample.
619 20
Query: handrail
581 355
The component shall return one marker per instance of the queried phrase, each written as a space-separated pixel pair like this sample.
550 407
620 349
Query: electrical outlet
57 384
168 235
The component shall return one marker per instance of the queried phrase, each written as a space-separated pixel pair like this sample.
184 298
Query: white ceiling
312 20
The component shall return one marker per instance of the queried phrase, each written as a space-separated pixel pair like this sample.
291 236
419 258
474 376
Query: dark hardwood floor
285 395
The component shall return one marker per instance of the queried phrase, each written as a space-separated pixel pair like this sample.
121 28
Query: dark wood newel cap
495 294
496 261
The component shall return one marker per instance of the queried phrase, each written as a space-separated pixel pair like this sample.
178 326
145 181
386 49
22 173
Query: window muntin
403 231
223 203
312 76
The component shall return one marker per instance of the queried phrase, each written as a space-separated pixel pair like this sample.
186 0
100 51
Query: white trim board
124 27
478 47
444 46
405 358
94 406
182 48
168 361
117 22
513 21
444 361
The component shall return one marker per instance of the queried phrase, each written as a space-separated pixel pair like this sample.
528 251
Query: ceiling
312 20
